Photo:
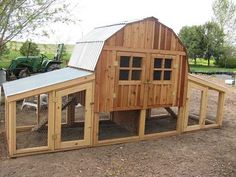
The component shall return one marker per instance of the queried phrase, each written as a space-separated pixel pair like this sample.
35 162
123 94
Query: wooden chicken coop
124 82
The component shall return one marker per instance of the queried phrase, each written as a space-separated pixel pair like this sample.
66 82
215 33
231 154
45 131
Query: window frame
131 68
162 69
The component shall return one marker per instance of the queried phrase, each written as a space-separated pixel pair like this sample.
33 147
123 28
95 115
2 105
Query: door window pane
124 61
157 62
136 75
157 75
167 75
137 62
168 63
124 75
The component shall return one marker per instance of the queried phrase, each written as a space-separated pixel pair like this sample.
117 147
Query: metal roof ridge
88 42
116 24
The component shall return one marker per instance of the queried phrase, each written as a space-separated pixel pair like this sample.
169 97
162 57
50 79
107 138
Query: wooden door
73 117
130 74
161 88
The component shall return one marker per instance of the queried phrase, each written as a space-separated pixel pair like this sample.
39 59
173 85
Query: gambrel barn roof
87 51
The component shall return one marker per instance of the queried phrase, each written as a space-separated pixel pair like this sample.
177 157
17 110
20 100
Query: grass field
201 66
209 69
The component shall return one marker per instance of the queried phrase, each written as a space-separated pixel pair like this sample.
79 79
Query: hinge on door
54 137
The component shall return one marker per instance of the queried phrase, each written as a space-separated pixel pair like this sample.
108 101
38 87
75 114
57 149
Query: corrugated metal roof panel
85 55
42 80
102 33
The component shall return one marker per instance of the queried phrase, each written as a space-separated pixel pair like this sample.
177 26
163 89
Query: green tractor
26 65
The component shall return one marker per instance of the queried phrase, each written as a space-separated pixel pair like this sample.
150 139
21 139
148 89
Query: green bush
4 50
29 48
228 63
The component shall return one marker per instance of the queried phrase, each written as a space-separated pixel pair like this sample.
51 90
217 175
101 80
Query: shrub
4 50
29 48
228 62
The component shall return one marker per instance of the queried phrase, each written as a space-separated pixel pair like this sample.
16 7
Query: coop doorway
73 117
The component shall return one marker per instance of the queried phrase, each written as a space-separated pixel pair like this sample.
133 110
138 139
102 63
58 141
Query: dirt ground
203 153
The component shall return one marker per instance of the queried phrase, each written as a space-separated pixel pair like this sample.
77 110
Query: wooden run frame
54 92
204 86
92 126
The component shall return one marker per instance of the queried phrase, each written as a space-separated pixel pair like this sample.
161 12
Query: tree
29 49
225 16
26 16
192 37
213 40
204 41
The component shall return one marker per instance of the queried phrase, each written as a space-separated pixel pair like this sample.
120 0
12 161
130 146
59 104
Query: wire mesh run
212 104
194 106
118 124
73 116
160 120
32 122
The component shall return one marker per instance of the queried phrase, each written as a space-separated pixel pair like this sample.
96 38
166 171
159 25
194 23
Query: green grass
202 66
209 69
202 61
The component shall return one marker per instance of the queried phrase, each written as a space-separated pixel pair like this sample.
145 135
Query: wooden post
142 119
203 107
95 128
184 111
12 128
220 108
51 119
38 109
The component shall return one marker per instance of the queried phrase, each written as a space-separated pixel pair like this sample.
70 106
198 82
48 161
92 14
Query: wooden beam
141 50
206 83
203 107
160 135
171 112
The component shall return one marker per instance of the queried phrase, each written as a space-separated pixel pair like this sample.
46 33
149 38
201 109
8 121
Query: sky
93 13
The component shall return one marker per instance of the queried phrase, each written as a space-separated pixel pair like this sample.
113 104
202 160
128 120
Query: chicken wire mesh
73 116
194 106
31 122
212 104
160 120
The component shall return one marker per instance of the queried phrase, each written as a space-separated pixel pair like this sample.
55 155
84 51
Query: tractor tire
23 73
53 67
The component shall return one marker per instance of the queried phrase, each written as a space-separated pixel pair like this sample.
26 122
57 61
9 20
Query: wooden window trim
162 68
130 68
